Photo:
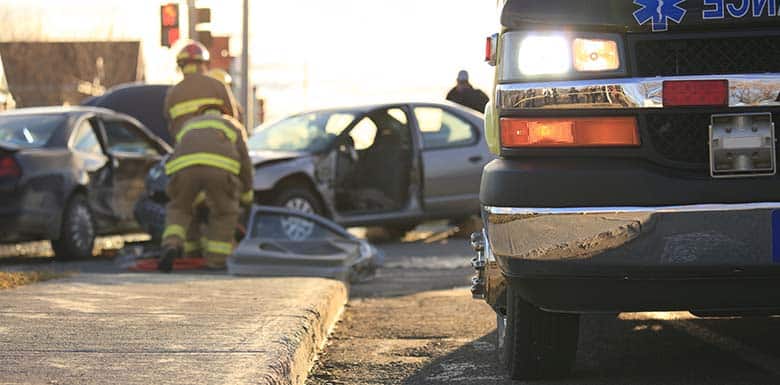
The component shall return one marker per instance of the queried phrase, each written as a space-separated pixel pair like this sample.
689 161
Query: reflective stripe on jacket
214 124
213 141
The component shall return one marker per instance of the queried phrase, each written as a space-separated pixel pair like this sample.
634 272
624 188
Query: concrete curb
303 347
166 329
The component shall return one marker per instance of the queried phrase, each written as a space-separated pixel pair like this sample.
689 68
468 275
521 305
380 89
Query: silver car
392 164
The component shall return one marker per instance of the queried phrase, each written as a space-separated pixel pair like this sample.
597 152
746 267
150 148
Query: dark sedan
69 174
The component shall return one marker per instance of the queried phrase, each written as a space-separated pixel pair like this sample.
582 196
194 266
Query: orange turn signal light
569 132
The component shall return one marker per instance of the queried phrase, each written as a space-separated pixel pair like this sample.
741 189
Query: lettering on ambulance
741 11
738 8
713 13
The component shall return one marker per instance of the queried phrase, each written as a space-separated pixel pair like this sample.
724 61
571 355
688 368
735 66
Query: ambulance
636 170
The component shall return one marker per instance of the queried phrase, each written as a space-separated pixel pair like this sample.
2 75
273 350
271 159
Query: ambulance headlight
558 55
596 55
539 55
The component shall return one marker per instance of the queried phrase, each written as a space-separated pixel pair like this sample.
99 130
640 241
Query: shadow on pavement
473 363
649 351
418 266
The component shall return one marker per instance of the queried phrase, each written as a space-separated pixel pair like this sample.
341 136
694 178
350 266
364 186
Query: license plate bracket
742 145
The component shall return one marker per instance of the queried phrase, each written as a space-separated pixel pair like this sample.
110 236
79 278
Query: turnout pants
222 192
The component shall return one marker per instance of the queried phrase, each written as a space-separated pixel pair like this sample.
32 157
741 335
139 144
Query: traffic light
169 24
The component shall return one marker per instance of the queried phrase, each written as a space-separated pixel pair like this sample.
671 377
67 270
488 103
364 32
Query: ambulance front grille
681 138
711 55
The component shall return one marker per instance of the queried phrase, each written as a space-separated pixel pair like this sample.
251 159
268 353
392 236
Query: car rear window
29 131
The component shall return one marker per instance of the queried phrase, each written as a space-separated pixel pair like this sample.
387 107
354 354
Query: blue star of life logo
659 12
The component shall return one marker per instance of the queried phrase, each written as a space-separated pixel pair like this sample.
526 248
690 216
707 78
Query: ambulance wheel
533 343
77 234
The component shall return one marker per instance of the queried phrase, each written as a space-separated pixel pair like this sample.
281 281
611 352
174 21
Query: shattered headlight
560 55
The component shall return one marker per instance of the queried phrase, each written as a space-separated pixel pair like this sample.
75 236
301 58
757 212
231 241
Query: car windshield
29 131
311 132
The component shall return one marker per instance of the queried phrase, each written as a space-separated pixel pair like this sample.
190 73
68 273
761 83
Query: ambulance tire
536 344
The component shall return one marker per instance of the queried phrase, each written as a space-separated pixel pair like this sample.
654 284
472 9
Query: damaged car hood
263 157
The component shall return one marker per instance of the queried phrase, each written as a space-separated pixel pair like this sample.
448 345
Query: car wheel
298 199
537 344
77 234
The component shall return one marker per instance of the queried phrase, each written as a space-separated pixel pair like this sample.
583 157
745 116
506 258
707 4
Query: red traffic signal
169 24
169 15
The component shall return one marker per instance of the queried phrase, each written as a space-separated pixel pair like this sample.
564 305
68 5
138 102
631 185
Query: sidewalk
165 329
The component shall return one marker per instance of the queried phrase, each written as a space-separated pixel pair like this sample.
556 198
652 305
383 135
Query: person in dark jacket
466 95
196 89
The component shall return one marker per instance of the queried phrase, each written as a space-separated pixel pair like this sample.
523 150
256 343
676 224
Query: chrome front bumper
733 236
759 90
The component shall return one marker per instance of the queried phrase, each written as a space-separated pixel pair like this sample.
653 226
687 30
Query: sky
304 54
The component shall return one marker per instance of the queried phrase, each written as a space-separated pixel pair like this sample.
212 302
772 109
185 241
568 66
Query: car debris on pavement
277 242
283 242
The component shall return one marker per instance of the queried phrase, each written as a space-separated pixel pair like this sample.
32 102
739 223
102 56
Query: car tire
77 232
536 344
299 198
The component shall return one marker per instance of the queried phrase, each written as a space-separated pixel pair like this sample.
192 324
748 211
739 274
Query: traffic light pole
191 15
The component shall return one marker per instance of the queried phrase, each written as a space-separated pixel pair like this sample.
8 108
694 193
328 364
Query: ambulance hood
640 15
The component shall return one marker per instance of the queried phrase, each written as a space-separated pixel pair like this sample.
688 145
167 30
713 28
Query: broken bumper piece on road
281 242
713 257
278 242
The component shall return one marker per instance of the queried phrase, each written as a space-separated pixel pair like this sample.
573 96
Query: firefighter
210 158
221 75
196 89
225 78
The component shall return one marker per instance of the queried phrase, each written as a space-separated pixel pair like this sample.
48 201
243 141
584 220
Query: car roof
474 116
65 110
142 101
74 112
370 107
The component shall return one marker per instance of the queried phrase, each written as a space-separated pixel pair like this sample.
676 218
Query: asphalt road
415 323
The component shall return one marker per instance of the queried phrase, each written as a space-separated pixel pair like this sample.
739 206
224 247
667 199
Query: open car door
132 153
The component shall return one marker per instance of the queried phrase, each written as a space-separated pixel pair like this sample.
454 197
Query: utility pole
246 90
